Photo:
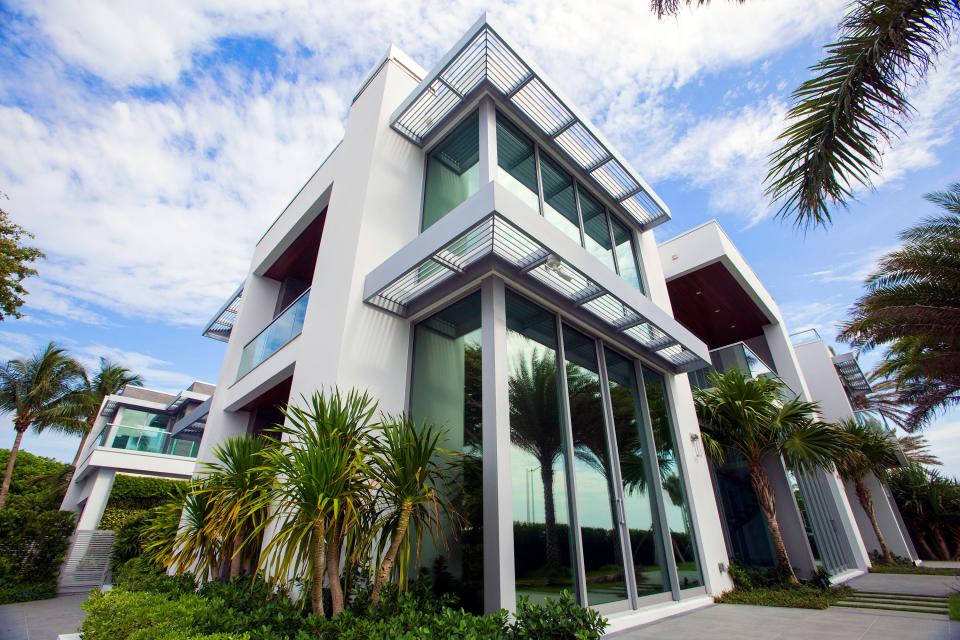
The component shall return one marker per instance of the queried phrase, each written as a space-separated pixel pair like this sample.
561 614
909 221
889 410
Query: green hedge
34 533
139 493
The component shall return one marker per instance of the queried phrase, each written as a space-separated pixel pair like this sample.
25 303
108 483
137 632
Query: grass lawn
799 597
909 569
955 606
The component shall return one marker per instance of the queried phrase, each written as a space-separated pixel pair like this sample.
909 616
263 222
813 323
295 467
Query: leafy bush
139 574
955 606
144 615
557 619
40 479
141 492
797 596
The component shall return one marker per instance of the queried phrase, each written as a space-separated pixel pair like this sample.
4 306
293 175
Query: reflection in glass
517 163
453 171
645 541
541 532
596 234
446 390
678 512
626 256
559 203
593 475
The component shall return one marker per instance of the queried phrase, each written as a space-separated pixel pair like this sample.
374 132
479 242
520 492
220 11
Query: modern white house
718 296
837 383
137 432
475 252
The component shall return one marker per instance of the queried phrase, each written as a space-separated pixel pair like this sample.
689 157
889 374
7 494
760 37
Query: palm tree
856 103
407 464
321 487
196 547
111 378
747 416
930 505
236 483
913 307
44 391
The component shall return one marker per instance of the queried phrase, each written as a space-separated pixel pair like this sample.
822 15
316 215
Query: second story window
453 171
539 181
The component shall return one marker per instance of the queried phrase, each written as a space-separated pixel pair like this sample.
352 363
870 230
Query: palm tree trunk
333 569
866 501
921 541
386 567
11 460
236 564
319 557
940 541
765 497
551 552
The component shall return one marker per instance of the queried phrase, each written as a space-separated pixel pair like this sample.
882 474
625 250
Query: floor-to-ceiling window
596 498
671 478
446 390
638 478
543 546
453 171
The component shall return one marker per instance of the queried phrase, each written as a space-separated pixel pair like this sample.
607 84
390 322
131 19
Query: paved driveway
742 622
41 620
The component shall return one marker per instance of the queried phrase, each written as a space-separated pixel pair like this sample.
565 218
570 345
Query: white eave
483 61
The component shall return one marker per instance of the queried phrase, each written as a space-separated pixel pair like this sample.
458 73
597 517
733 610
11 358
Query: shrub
796 596
143 615
34 542
557 619
139 574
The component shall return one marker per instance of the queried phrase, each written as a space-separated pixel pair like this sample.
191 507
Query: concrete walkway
742 622
909 584
41 620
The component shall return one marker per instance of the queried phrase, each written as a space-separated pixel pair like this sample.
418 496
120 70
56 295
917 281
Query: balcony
735 356
147 440
284 328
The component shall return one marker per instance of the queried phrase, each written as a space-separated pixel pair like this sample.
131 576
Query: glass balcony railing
284 328
805 336
735 356
118 436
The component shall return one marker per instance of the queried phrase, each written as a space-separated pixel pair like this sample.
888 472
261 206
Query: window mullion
536 162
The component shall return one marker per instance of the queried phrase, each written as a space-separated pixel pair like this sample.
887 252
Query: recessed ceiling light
716 310
733 326
699 293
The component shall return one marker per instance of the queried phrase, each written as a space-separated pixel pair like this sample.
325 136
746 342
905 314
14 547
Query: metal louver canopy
483 60
221 325
849 369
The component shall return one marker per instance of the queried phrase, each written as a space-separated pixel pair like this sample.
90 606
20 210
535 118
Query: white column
498 570
488 142
97 500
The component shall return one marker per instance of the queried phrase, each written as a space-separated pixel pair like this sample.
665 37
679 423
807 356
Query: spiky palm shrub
44 391
236 483
409 466
109 379
913 307
748 416
321 487
159 536
196 547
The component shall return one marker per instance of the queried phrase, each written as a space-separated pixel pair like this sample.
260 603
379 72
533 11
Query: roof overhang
484 61
221 325
194 421
495 232
853 376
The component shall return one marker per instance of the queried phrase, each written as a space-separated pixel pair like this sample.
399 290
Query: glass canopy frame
483 61
220 327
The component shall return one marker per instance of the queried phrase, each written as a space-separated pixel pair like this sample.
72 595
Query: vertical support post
566 424
656 488
498 571
488 142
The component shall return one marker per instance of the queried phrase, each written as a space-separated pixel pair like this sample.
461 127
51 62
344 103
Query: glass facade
543 546
284 328
595 496
678 512
564 202
446 390
453 171
593 473
639 506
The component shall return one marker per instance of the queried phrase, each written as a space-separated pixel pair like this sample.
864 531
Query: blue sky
149 146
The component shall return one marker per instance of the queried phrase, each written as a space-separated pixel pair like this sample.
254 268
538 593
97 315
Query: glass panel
150 441
638 504
541 533
744 521
678 513
446 390
559 204
516 162
593 475
278 333
626 256
138 418
453 171
595 231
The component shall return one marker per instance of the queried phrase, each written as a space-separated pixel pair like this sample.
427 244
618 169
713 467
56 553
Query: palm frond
844 117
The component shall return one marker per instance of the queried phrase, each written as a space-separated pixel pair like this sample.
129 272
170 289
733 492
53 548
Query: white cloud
823 315
156 372
852 267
